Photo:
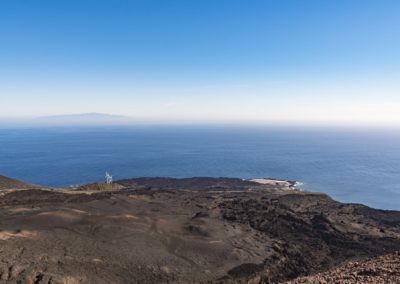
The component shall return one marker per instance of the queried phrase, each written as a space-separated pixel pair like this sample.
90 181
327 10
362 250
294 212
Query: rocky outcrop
382 269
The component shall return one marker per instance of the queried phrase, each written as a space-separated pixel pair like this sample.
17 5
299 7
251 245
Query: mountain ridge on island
90 118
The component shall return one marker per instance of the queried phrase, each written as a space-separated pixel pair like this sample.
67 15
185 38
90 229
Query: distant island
92 118
94 115
192 230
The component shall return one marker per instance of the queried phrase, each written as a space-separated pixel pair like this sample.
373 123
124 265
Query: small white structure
108 178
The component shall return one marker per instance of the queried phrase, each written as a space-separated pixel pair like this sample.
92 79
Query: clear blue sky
297 60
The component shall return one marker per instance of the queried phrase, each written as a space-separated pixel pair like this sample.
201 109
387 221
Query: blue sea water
359 166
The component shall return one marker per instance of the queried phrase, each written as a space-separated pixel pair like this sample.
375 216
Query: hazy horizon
324 62
104 119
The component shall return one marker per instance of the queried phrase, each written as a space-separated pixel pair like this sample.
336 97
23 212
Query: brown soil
100 187
200 230
9 183
380 270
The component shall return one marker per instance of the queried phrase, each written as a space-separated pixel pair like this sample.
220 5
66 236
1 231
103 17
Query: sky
202 60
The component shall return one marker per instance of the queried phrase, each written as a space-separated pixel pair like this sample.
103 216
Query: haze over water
360 166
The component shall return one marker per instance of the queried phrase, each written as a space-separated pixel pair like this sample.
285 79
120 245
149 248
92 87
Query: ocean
357 166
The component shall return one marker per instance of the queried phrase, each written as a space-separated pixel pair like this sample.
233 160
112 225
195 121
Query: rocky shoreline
194 230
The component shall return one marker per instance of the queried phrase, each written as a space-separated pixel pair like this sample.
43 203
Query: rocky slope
379 270
200 230
10 183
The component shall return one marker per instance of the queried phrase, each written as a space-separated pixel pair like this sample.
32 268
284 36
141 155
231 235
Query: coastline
290 185
225 230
